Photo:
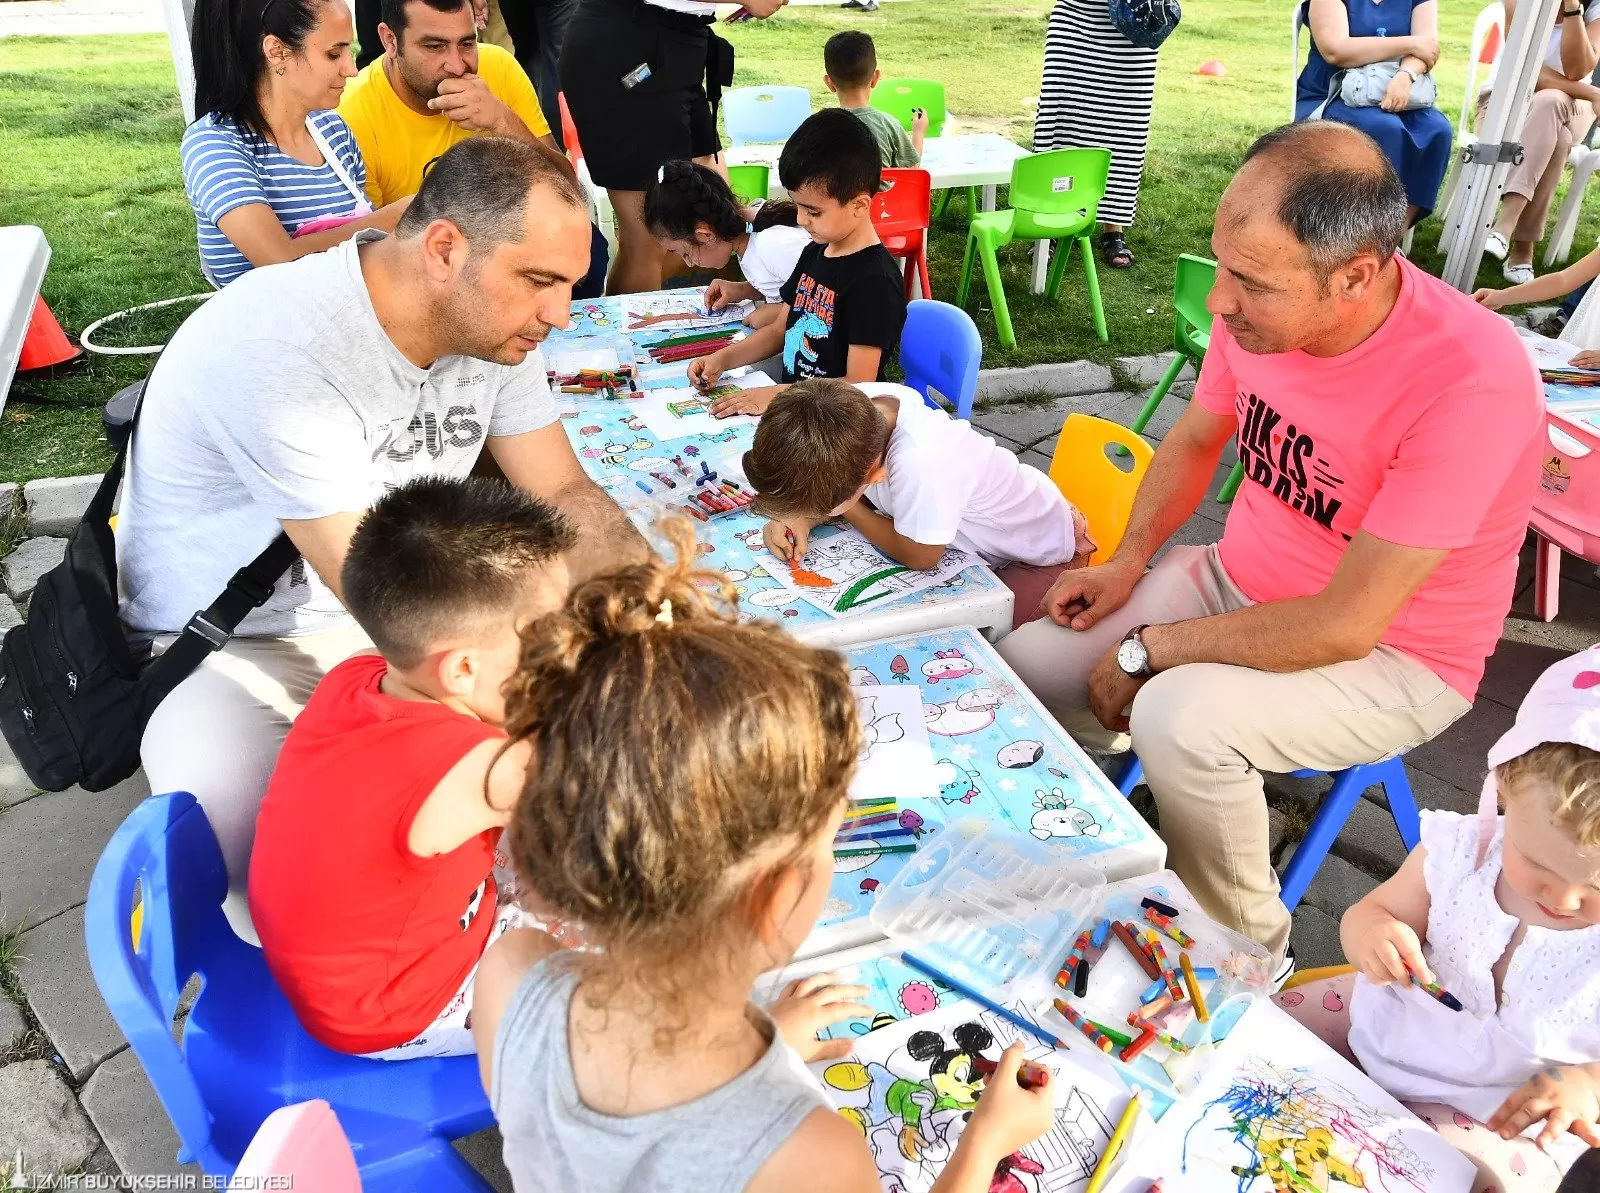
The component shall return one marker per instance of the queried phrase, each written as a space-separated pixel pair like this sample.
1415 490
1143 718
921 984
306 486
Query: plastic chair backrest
1192 280
241 1053
300 1147
901 97
1488 32
1063 182
904 206
569 130
764 113
1098 486
940 349
750 182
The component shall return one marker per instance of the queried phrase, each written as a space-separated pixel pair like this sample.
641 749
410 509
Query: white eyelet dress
1420 1050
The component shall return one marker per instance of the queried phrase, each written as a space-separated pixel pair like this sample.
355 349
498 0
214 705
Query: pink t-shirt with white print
1429 434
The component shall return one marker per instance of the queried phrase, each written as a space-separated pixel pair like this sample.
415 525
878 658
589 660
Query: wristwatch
1576 12
1408 72
1132 656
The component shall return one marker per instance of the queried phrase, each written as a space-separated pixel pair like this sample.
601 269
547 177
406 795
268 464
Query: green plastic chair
1191 286
749 183
1054 196
900 98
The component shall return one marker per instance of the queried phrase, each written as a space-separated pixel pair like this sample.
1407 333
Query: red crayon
1145 1039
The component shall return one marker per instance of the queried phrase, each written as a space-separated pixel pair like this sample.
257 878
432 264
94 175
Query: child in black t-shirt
846 297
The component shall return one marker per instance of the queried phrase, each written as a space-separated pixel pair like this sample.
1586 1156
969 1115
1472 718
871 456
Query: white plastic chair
1584 160
1490 17
1300 20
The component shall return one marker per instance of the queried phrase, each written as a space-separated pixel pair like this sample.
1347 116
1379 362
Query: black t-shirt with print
834 302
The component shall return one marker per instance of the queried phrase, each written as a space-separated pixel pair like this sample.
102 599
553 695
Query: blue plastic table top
623 455
1002 757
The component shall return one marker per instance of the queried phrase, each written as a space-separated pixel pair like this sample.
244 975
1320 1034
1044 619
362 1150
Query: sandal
1517 275
1495 245
1115 250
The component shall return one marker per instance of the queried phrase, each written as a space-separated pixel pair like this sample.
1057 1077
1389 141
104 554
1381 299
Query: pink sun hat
1562 706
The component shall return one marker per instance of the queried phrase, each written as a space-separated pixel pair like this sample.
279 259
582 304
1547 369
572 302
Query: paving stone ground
49 841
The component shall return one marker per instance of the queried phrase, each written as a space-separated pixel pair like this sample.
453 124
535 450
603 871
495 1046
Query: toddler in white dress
1503 913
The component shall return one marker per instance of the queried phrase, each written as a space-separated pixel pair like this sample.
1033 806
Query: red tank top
368 940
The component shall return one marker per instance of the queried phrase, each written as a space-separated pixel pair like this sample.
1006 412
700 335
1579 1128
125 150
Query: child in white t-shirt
1583 328
1503 913
691 211
911 479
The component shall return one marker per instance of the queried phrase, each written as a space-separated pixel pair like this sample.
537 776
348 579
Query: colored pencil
961 988
865 821
872 850
881 834
1118 1140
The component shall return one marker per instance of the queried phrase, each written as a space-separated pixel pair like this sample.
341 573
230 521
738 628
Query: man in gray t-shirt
299 394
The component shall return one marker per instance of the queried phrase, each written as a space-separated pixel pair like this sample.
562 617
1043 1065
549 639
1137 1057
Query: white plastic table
960 159
24 254
620 453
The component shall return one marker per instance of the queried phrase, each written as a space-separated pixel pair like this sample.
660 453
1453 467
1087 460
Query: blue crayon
1102 933
1206 975
1154 991
644 486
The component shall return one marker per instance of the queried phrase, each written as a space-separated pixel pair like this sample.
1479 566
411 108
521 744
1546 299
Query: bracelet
1408 72
1577 12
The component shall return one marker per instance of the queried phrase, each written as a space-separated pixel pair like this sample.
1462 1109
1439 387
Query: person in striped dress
1097 91
271 172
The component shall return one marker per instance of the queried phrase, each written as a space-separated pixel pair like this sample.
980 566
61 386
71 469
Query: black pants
538 29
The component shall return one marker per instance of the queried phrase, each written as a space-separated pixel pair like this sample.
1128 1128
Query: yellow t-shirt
396 142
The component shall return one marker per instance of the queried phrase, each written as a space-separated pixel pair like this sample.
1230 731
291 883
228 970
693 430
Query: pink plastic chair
1566 511
304 1143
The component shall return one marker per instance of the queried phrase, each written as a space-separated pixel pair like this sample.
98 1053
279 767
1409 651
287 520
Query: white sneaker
1495 245
1285 969
1517 275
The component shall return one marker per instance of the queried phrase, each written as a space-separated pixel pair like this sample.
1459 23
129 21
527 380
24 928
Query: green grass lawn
89 131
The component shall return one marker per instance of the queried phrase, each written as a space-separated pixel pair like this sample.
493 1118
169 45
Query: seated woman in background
1349 34
271 173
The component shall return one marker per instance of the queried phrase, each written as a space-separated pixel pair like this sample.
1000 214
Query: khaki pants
218 733
1555 123
1206 731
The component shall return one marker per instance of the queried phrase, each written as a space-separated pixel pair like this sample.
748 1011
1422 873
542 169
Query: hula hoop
142 349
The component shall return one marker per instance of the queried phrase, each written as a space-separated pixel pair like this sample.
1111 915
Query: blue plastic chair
241 1054
764 113
1335 810
940 349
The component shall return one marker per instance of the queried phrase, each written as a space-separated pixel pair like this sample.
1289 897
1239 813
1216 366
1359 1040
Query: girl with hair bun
687 777
270 169
691 211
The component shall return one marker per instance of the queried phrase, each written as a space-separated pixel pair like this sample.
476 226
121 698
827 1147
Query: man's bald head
1329 185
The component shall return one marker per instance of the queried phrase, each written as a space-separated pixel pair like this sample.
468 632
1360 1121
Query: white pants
218 733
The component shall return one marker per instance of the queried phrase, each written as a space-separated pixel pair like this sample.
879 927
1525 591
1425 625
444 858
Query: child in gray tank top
688 777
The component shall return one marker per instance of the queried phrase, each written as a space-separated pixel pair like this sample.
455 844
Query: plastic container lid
990 909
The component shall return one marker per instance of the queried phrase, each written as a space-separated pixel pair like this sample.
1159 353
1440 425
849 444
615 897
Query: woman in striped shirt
271 172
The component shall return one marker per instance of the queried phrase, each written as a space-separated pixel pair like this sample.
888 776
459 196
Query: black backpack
74 697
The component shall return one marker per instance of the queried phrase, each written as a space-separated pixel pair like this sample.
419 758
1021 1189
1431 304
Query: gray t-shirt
895 146
282 398
556 1144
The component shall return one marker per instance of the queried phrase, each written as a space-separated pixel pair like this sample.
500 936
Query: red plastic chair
1566 510
569 130
901 215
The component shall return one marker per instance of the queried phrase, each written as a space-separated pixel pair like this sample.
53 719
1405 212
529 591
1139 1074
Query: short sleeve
930 493
906 155
1214 390
1452 465
219 170
512 87
343 142
288 432
874 311
1451 844
524 402
791 287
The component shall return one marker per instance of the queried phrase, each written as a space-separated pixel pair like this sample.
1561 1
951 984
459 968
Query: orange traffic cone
46 346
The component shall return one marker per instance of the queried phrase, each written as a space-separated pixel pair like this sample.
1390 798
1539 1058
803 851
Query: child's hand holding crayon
1566 1097
808 1005
705 370
1386 950
721 293
1011 1113
787 539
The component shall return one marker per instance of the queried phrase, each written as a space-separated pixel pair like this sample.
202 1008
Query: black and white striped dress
1097 91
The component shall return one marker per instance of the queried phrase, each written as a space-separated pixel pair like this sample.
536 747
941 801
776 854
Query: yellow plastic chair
1102 488
1302 977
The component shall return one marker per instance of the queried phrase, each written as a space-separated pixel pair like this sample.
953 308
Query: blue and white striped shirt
224 168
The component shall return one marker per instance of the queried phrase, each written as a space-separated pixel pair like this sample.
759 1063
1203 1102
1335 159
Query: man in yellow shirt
436 85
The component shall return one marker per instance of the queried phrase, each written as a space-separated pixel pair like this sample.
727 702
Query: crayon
1196 995
1154 990
1080 978
1165 909
1205 973
1119 1140
1149 1011
1172 1042
1437 991
1102 933
1156 1188
1164 924
1126 937
644 486
1096 1037
1064 974
1132 1051
961 988
872 850
1030 1075
694 513
1174 986
1117 1037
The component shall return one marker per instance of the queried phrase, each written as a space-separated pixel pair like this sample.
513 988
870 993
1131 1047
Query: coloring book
1283 1113
910 1087
679 310
896 758
842 573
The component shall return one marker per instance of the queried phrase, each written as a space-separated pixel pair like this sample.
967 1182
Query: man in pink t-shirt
1391 432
